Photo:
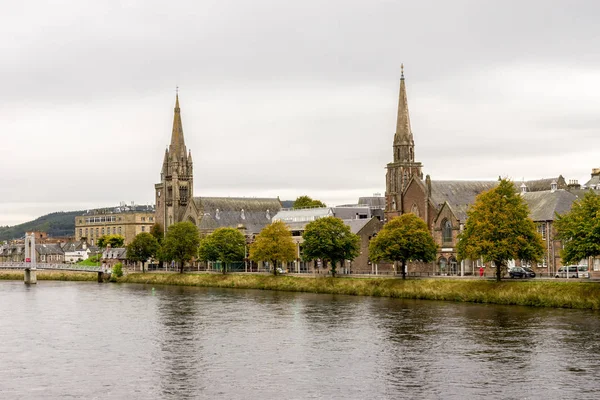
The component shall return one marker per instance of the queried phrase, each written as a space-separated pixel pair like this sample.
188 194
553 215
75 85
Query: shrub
117 270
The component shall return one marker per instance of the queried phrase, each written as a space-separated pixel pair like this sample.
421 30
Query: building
443 204
360 220
125 220
175 201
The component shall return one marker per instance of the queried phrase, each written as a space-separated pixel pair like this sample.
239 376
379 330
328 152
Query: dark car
518 272
530 273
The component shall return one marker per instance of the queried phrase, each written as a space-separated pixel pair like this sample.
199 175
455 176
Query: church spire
403 130
177 147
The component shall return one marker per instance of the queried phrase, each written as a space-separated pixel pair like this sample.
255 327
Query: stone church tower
404 166
176 185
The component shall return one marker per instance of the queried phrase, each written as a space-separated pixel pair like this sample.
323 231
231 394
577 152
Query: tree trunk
274 264
403 269
498 271
181 266
143 270
333 270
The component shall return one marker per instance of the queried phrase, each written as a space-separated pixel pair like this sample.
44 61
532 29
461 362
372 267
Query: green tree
114 241
156 230
307 202
403 239
498 229
274 243
225 245
117 270
330 239
579 229
142 247
180 243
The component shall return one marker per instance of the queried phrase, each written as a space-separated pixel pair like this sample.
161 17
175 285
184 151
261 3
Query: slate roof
303 214
593 182
458 194
543 184
48 249
376 202
119 253
355 224
543 205
252 213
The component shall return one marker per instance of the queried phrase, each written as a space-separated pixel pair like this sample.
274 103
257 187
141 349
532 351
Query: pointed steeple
177 147
403 130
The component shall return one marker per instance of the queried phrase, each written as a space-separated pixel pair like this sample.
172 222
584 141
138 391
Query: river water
66 340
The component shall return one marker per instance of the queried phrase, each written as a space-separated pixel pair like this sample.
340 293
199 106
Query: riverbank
582 295
10 275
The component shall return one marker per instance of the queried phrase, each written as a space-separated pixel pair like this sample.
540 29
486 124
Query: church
443 204
175 201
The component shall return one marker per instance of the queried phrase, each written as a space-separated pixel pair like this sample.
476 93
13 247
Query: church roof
544 184
232 212
458 194
544 205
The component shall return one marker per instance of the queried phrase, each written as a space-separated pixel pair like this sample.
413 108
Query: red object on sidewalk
480 271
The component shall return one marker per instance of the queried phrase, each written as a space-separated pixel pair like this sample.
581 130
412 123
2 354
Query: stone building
443 204
175 201
125 220
359 218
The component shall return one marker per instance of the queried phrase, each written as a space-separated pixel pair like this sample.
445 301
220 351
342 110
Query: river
71 340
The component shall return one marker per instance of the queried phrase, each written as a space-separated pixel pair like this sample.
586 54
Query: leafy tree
117 270
274 243
579 229
142 247
225 245
498 229
180 243
307 202
156 230
404 238
113 240
330 239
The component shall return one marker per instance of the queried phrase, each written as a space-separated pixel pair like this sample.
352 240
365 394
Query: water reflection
178 342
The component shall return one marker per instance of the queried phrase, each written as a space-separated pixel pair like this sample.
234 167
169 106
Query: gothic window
394 204
411 154
446 231
415 210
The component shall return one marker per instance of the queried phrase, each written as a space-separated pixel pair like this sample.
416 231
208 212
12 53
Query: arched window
453 266
446 231
415 210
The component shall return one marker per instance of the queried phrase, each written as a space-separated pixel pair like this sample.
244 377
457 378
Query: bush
117 270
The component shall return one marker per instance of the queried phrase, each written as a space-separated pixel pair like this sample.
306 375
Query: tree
225 245
156 230
274 243
330 239
180 243
404 238
307 202
579 229
498 229
113 240
142 247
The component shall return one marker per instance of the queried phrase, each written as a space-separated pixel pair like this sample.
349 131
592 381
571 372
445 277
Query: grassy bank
528 293
51 276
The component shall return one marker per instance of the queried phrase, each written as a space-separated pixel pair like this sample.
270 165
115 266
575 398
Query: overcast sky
282 98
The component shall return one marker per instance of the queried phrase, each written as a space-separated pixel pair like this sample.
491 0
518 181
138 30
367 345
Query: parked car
518 272
573 271
530 273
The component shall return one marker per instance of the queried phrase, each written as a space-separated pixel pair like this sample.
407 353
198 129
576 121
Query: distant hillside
54 224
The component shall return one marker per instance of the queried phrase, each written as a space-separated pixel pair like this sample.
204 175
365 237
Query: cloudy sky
284 98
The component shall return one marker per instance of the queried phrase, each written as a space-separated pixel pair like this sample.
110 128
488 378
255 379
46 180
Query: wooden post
100 280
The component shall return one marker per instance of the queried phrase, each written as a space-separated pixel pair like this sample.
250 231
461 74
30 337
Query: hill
54 224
